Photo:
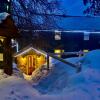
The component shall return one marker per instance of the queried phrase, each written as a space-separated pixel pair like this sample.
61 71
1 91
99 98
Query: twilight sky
73 7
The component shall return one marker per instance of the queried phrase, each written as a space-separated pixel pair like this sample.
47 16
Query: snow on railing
77 67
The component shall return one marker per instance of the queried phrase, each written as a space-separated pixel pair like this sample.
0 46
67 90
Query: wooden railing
53 55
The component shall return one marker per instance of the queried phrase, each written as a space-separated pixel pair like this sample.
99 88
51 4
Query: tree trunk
7 56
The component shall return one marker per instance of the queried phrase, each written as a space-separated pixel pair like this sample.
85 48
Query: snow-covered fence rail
78 68
66 53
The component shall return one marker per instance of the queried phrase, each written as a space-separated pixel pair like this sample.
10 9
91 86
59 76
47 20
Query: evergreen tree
33 13
92 7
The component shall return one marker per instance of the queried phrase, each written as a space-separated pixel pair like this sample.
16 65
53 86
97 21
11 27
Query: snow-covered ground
63 83
14 88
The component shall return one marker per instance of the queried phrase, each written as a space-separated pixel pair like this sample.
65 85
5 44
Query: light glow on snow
61 83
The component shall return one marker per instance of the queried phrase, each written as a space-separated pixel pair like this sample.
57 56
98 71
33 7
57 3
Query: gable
29 50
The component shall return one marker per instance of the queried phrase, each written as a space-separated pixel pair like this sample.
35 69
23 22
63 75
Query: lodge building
71 41
7 31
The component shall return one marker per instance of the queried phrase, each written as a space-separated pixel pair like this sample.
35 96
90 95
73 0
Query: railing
77 67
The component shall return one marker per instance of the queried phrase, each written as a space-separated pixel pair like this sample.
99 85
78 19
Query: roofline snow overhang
66 31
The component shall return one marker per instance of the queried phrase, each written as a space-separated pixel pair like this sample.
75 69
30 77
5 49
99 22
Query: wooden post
7 56
47 62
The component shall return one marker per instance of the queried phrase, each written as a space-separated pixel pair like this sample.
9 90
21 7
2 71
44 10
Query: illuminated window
1 56
58 51
85 51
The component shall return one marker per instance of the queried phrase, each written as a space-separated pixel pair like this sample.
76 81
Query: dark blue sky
73 7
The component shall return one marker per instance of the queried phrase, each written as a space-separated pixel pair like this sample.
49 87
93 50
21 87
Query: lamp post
15 44
48 62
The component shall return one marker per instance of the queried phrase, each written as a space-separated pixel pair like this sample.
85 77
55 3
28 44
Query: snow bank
92 60
63 83
84 85
13 88
59 75
3 75
74 86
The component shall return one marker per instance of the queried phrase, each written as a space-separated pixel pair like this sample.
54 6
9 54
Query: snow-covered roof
76 24
3 16
27 49
80 23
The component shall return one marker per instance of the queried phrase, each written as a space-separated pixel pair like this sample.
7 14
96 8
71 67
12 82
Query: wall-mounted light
7 7
86 35
8 0
57 35
15 44
58 51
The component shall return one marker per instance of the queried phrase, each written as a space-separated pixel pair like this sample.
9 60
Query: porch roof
27 49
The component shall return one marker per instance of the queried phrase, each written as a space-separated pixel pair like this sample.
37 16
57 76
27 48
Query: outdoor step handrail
69 53
65 53
77 67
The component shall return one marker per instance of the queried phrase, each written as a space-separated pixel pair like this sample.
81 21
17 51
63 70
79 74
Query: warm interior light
1 56
31 62
1 38
85 51
57 51
23 60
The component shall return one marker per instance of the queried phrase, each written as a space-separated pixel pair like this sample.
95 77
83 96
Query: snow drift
92 60
59 75
78 86
13 88
63 83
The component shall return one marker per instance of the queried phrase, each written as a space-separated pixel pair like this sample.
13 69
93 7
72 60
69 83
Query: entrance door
30 64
